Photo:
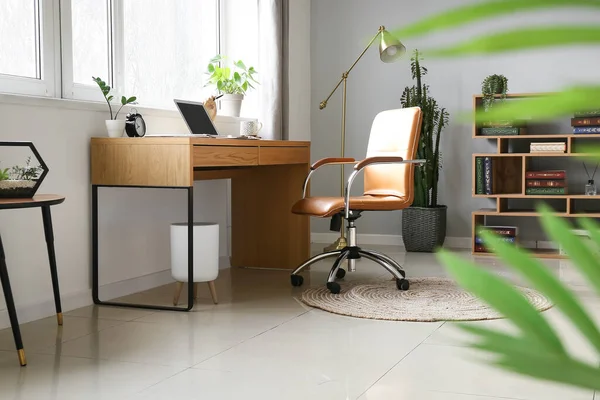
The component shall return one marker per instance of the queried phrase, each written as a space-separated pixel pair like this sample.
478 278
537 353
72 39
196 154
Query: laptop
196 118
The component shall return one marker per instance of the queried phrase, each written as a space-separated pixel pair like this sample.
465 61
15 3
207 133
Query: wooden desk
267 178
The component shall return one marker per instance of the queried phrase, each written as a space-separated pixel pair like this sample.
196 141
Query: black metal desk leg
10 305
49 233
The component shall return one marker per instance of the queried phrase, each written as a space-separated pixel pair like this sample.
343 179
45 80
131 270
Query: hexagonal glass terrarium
22 170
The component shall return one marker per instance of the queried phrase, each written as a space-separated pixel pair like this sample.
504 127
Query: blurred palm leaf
552 105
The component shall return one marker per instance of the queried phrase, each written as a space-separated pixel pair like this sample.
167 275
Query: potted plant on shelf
490 87
114 126
233 84
424 223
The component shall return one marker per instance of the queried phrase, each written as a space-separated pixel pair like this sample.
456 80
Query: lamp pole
389 50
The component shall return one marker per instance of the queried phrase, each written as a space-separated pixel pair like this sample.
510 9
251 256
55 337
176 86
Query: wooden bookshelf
509 178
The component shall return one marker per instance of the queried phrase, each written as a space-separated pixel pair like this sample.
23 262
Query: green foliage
4 174
492 85
230 81
26 173
536 350
108 97
434 121
544 107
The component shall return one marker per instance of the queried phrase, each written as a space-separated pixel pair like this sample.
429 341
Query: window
156 50
26 59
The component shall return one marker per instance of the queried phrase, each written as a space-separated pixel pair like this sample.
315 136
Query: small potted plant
233 84
490 87
114 126
19 181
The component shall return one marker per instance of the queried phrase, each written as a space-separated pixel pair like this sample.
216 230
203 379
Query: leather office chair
388 185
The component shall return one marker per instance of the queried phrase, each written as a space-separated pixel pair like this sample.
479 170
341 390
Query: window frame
48 64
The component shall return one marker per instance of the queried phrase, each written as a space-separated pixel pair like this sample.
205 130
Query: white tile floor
260 342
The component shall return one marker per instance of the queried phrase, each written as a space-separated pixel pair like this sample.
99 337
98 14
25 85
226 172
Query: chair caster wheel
402 284
340 273
297 280
334 287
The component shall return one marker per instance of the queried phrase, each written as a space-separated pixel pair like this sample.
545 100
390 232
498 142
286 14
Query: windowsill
40 101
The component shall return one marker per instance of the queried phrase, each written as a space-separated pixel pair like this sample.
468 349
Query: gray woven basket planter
423 229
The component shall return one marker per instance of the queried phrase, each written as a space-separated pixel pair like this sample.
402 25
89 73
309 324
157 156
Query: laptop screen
196 118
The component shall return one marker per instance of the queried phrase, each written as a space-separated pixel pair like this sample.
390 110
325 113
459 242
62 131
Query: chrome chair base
351 253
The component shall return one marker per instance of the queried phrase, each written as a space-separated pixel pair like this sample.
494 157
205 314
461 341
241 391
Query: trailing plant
108 97
491 86
230 81
26 173
435 119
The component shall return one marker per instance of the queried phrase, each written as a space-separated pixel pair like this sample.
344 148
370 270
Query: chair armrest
322 162
377 160
332 160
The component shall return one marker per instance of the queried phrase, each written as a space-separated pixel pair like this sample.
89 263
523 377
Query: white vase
115 128
231 104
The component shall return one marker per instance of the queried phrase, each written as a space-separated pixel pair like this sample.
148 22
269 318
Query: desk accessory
22 181
114 126
135 126
250 128
233 83
390 50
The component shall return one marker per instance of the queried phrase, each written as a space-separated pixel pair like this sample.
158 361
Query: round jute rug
427 300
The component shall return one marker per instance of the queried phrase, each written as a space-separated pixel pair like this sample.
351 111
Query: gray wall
339 31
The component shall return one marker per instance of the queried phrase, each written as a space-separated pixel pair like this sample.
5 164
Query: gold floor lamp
390 50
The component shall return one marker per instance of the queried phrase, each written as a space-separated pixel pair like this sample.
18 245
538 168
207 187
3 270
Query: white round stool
206 256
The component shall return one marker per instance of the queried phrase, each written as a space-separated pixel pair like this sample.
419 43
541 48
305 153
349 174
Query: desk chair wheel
340 273
402 284
334 287
297 280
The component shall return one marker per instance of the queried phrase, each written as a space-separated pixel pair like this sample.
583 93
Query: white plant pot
115 128
231 104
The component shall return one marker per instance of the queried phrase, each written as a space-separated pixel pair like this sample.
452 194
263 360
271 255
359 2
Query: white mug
250 128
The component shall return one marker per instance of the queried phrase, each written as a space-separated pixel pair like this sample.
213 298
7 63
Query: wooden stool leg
49 233
10 306
178 288
213 291
195 290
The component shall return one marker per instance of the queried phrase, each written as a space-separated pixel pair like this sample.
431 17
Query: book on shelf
587 114
545 190
589 121
502 230
554 174
479 176
586 129
548 147
508 239
506 233
502 131
488 169
546 183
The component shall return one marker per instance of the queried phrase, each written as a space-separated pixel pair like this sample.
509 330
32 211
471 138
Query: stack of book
546 182
586 122
507 233
502 128
484 175
551 147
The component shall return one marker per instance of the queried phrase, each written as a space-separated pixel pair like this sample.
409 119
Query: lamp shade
390 48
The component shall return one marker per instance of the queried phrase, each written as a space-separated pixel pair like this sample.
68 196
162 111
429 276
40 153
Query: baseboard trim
396 240
71 301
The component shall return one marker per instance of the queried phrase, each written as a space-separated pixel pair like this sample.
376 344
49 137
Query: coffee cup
250 128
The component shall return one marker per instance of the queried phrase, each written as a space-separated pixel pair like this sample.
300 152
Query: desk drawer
220 156
284 155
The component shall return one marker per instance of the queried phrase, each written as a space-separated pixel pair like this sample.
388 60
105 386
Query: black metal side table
44 201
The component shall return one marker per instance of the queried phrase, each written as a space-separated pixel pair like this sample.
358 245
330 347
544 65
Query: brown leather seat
328 206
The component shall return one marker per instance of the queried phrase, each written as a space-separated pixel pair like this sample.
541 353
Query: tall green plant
536 350
434 121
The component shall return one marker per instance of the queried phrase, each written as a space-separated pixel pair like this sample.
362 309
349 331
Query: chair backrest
393 133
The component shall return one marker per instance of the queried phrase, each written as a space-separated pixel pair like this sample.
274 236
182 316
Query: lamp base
339 244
